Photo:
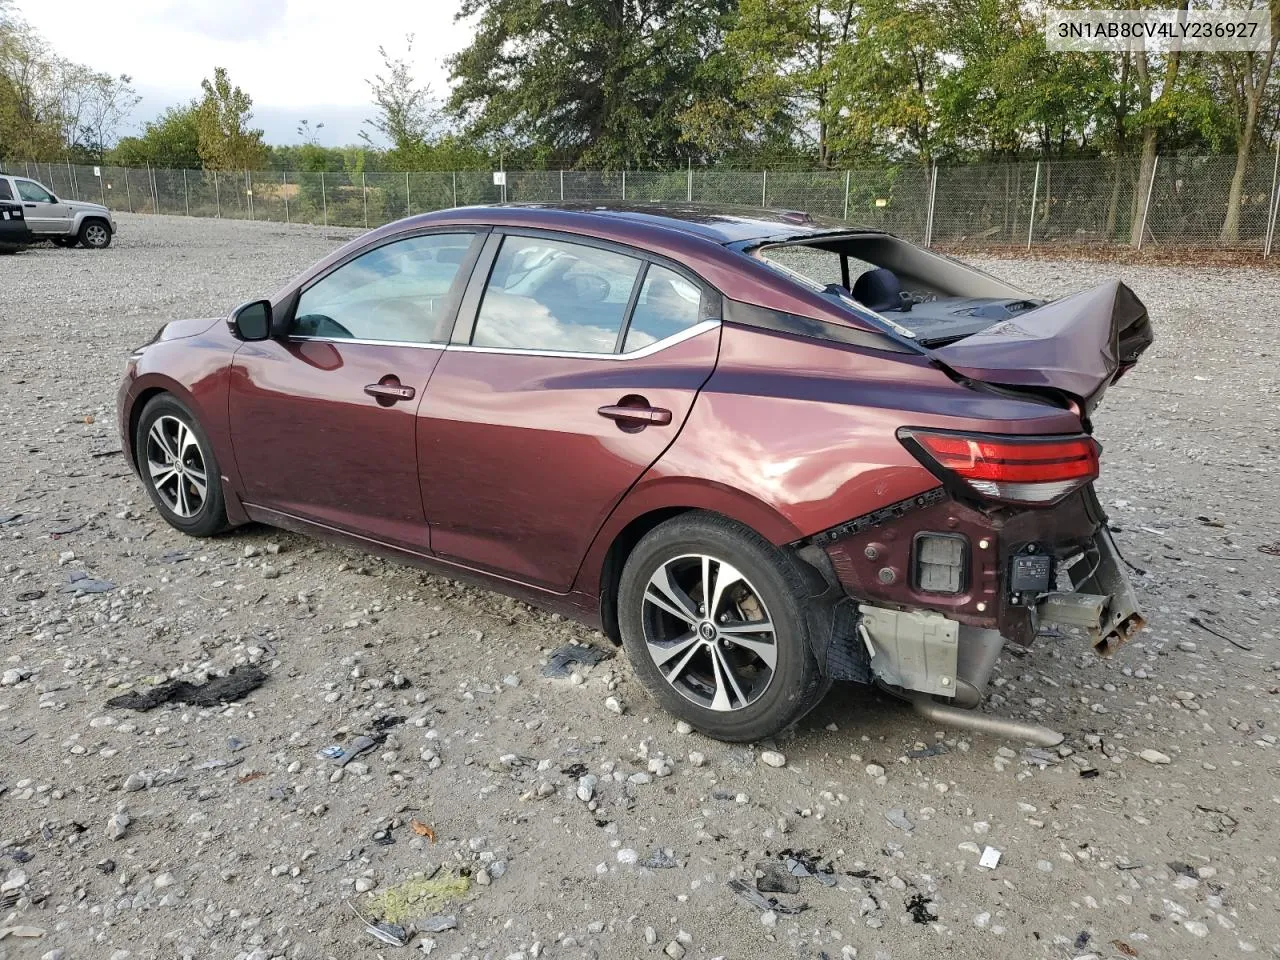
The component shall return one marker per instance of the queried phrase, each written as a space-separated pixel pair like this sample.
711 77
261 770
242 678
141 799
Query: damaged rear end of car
1012 541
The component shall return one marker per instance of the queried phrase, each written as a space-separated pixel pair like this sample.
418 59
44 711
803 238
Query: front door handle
389 390
636 415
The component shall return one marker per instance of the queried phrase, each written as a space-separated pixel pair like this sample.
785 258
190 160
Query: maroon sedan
761 451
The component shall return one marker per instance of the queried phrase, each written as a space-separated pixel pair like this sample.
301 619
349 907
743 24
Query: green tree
407 117
171 140
786 53
226 140
589 82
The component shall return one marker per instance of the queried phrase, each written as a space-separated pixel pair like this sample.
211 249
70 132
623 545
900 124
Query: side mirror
252 320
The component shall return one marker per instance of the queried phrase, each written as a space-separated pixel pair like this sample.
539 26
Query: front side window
400 291
33 192
668 304
551 295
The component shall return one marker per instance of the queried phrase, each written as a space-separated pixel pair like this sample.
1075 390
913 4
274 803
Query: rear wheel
178 468
95 234
711 616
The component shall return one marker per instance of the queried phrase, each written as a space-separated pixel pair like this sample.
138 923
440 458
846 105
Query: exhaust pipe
984 723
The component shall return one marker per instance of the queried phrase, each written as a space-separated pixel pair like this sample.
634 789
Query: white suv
65 222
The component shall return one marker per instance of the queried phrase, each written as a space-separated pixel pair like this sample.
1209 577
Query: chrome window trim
298 338
688 333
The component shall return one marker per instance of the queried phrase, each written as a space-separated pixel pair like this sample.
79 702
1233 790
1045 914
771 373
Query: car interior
936 299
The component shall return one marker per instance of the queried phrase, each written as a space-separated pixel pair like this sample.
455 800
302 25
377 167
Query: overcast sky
296 58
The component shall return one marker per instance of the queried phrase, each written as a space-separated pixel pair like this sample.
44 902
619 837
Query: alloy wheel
709 633
95 235
176 466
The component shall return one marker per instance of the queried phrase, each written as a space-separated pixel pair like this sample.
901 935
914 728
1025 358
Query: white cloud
302 57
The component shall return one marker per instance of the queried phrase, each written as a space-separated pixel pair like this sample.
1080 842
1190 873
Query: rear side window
401 291
5 192
33 192
668 304
551 295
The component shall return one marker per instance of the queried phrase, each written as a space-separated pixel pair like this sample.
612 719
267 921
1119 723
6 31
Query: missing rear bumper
1103 604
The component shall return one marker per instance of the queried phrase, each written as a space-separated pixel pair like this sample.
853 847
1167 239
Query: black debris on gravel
238 683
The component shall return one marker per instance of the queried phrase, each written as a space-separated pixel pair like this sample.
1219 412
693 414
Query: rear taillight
1033 470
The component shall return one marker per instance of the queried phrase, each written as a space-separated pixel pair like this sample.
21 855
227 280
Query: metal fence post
846 194
102 186
455 188
186 192
324 199
71 179
624 185
128 194
562 185
1271 218
364 193
151 189
689 197
1035 198
248 192
1146 207
764 188
217 194
284 193
407 210
933 196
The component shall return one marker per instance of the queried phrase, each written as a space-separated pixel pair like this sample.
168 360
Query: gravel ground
222 833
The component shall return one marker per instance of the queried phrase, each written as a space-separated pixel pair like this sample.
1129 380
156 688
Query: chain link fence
1183 201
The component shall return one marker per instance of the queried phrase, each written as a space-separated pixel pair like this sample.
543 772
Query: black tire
796 683
95 234
65 241
211 516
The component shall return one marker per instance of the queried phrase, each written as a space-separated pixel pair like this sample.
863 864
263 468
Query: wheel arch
649 505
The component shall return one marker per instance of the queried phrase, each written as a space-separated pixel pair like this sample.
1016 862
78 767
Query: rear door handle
655 415
389 390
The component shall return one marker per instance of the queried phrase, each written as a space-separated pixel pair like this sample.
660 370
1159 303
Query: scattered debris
385 723
774 877
436 923
1090 773
383 838
898 818
251 776
407 900
762 903
28 595
564 658
422 830
238 683
1154 756
359 745
28 932
990 858
935 750
921 909
1271 549
1082 940
660 859
1124 948
81 582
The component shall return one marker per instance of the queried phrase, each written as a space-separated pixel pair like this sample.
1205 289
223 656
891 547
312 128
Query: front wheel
712 620
95 234
177 465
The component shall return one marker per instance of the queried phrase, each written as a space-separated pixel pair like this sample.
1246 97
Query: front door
322 420
44 212
580 369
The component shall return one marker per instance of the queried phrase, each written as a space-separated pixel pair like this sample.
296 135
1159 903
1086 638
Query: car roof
726 225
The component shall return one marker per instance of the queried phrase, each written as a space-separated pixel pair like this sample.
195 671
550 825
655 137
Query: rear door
44 212
573 367
322 419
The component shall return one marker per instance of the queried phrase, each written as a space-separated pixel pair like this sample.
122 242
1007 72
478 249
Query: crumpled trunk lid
1078 345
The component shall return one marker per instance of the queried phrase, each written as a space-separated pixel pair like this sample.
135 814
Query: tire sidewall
212 515
796 684
84 232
